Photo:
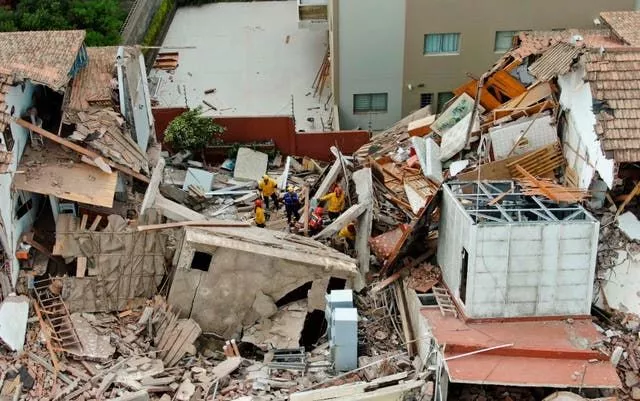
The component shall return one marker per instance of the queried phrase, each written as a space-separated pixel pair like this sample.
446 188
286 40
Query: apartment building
391 57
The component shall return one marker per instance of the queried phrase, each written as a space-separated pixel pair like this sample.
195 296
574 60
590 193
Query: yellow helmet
266 176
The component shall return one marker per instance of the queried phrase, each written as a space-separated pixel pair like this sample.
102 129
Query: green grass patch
157 23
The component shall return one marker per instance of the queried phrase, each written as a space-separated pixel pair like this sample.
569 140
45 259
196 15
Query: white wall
21 100
532 269
518 269
137 92
582 148
371 59
456 228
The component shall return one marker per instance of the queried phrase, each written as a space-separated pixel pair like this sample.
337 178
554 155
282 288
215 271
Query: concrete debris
250 165
14 313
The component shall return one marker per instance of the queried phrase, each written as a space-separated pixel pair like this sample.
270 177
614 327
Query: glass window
443 98
426 99
504 40
370 102
441 43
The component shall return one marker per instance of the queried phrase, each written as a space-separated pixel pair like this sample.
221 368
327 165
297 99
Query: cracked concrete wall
222 299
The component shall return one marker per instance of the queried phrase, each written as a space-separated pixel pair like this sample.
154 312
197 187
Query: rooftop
625 24
503 202
45 57
549 353
538 42
92 85
253 55
615 86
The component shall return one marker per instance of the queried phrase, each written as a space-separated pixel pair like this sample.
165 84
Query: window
426 99
370 102
23 205
504 40
443 98
201 261
8 139
441 43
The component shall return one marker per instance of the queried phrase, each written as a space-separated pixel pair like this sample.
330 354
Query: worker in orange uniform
335 202
268 188
315 221
259 211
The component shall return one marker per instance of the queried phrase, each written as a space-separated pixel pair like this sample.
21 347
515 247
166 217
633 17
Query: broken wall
222 299
581 146
123 264
518 269
421 330
20 100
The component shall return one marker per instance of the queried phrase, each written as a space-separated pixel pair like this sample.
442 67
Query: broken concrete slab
282 330
629 224
227 367
621 283
198 177
250 164
364 189
345 218
282 179
457 166
95 347
14 313
329 179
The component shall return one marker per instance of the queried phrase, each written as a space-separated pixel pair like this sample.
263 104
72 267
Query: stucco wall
370 42
478 21
221 299
13 227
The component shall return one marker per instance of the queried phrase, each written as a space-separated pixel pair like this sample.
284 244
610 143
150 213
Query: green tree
192 131
102 19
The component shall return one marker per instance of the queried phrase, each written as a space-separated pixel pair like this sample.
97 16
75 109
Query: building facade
390 58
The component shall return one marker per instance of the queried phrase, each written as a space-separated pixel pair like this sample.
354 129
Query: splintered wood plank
193 332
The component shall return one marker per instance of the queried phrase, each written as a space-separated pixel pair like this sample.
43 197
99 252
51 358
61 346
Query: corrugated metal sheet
555 61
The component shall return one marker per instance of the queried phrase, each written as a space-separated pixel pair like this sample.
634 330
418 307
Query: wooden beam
101 163
628 198
202 223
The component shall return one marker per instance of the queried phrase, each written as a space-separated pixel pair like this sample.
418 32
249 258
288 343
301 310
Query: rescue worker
315 221
259 211
348 232
268 189
335 202
291 204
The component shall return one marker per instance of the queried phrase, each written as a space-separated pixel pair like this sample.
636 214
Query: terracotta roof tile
614 78
44 56
93 83
625 24
537 42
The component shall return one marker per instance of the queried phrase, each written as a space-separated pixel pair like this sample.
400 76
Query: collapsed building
494 255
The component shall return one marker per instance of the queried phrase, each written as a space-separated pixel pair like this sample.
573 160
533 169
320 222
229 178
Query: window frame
495 40
440 106
456 52
430 97
371 108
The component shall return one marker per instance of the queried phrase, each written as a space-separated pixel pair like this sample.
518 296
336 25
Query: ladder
56 314
444 301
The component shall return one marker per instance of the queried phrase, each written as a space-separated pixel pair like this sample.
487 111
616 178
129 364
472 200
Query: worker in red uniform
315 221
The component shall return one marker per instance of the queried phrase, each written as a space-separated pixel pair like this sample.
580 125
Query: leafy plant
192 131
158 22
